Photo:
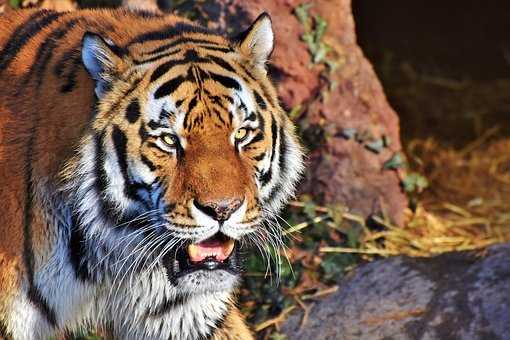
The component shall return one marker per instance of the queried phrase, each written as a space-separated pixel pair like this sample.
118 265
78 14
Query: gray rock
451 296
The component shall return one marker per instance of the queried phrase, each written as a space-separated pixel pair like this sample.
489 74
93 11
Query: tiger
141 154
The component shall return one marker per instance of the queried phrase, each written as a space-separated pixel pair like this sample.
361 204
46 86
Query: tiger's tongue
213 247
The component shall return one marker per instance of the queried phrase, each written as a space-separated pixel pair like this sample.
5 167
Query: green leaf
336 212
15 3
320 27
387 140
349 133
375 146
295 112
307 37
301 13
334 265
320 53
353 235
309 209
414 182
395 162
278 336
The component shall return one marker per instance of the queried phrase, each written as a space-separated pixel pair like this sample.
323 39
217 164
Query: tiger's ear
257 42
102 59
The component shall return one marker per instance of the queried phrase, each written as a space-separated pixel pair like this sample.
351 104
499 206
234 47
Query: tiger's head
188 153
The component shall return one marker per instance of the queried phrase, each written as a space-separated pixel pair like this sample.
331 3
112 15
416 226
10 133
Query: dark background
444 65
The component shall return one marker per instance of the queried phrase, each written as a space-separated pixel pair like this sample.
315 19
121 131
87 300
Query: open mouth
218 252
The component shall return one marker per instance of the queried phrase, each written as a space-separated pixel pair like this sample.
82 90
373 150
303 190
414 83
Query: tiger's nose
220 210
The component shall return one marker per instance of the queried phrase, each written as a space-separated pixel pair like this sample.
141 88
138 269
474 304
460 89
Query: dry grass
467 206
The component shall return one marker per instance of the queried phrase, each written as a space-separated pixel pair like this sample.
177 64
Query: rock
348 171
451 296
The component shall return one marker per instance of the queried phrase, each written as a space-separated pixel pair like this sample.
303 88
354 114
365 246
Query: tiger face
192 151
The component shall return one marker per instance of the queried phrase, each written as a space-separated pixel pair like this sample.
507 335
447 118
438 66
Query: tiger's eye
241 134
169 140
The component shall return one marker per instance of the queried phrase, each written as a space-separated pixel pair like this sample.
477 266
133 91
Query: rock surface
451 296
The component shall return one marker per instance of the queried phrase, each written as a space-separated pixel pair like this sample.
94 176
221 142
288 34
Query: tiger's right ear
102 59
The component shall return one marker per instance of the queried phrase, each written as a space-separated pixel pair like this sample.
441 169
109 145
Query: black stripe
225 81
168 305
276 190
248 72
159 56
78 252
216 100
101 183
116 105
218 115
24 33
265 92
192 103
120 143
45 52
252 117
176 51
149 164
4 334
274 133
283 150
164 68
100 173
222 63
168 33
36 298
179 103
179 41
69 80
258 137
282 164
169 207
133 111
169 87
164 114
190 57
219 49
266 177
260 101
33 294
154 125
262 122
260 157
142 132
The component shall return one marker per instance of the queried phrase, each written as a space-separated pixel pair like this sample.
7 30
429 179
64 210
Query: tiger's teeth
193 251
228 247
215 248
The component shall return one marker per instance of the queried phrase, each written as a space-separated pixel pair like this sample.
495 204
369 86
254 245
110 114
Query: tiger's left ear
257 42
102 59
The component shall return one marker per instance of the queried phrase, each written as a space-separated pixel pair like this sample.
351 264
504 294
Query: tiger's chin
205 267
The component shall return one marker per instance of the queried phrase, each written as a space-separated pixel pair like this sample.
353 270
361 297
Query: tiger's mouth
218 252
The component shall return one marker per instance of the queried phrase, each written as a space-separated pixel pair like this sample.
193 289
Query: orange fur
45 107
